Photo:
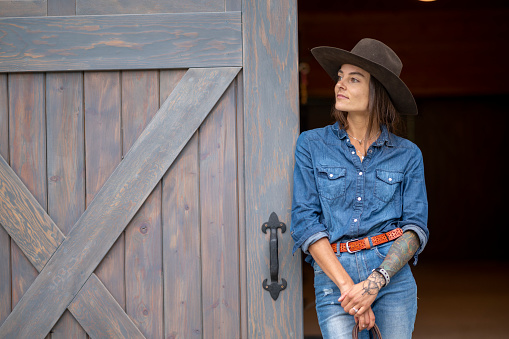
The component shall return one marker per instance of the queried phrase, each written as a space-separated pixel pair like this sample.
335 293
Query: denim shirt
337 196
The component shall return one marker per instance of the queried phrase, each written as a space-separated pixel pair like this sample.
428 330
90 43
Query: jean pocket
331 181
382 250
387 182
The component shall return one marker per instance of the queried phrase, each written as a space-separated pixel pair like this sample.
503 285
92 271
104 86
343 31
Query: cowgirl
359 200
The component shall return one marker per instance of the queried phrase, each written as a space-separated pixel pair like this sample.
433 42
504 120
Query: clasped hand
357 301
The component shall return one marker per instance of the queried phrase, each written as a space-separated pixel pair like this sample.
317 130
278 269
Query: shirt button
370 151
353 152
331 175
390 179
360 173
359 198
354 220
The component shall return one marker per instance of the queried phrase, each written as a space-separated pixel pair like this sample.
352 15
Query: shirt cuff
312 239
423 239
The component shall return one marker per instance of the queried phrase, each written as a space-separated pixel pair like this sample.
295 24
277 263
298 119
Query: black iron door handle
274 287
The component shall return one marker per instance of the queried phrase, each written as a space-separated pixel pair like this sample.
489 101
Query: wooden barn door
143 145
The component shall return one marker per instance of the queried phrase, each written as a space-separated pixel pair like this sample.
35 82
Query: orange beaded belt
353 246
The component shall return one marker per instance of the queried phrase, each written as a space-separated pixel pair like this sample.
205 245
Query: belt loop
367 241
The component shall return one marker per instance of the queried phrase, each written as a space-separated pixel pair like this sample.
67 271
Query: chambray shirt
337 196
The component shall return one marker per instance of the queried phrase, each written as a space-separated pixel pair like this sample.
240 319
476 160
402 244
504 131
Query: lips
341 96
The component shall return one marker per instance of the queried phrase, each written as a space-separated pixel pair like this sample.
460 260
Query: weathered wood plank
271 117
181 235
101 315
61 7
96 7
120 42
25 8
103 152
27 142
25 220
117 202
219 221
32 239
5 240
66 172
143 247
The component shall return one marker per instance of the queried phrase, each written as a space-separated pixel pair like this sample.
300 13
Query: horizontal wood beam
28 224
117 202
107 42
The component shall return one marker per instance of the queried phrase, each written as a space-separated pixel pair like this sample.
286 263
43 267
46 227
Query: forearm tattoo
373 283
400 252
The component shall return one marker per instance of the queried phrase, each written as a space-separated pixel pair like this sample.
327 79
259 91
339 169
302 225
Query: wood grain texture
23 8
271 116
66 170
117 202
143 247
102 316
219 221
27 143
96 7
5 240
61 7
120 42
181 235
121 319
103 148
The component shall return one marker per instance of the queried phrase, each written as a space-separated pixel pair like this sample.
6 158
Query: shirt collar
384 137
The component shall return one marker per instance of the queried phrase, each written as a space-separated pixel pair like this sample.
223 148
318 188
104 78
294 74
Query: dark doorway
454 55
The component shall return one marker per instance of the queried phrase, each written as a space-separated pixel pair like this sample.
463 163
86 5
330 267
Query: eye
340 77
355 80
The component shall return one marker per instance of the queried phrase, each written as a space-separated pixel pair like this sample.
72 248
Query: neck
358 125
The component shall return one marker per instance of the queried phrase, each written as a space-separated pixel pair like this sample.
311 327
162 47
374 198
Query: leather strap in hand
375 332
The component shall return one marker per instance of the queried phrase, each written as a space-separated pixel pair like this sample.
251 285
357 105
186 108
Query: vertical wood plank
103 152
143 247
27 141
66 175
61 7
181 235
5 242
219 221
271 122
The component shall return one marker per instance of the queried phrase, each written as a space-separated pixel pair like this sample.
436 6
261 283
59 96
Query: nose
340 83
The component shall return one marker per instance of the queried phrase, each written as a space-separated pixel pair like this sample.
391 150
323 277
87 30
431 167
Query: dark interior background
456 63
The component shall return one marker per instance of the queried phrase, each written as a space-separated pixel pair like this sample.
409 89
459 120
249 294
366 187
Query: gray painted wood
103 147
100 314
65 158
219 221
27 143
121 42
96 7
61 7
115 205
5 240
83 304
181 235
11 8
143 247
271 115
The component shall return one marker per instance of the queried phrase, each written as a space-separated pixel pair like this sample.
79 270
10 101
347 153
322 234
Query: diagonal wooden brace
35 233
117 202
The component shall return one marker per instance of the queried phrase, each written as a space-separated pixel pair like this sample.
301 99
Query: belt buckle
348 248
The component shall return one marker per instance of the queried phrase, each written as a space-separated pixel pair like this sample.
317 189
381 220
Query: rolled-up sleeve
415 202
306 227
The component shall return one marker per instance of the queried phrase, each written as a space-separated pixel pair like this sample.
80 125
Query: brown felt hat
377 59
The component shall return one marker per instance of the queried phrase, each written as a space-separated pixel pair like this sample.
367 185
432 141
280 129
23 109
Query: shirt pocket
386 184
331 181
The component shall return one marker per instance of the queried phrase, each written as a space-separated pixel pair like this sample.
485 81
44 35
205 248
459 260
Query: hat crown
379 53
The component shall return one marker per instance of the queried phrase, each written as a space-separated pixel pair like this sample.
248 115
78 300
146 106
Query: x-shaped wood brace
66 265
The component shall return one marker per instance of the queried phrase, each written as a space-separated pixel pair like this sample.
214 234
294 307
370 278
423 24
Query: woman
359 202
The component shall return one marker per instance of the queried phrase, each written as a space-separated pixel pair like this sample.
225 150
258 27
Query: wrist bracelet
384 274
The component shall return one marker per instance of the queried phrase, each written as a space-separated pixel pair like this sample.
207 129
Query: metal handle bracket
274 287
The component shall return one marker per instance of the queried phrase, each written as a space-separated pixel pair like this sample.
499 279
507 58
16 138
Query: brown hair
382 111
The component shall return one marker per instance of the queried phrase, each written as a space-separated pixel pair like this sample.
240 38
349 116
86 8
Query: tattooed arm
362 295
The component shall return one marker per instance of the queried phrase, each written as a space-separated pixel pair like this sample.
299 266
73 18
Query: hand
366 320
358 299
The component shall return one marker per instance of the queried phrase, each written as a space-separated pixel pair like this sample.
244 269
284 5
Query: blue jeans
395 307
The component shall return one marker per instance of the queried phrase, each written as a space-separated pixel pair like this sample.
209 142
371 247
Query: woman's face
352 89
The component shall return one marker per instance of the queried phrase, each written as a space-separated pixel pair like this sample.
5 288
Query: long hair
382 111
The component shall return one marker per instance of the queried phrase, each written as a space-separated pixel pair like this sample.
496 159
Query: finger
353 311
371 316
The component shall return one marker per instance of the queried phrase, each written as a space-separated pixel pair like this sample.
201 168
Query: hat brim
331 59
